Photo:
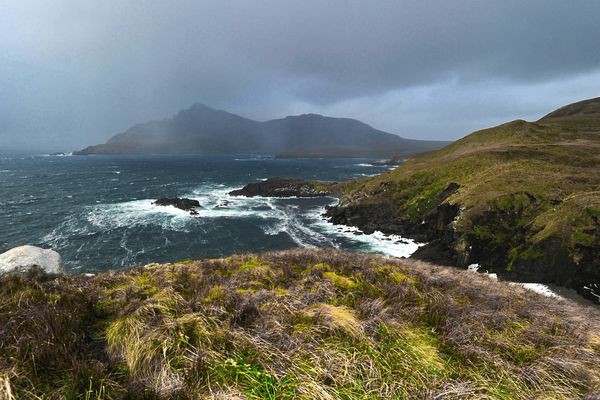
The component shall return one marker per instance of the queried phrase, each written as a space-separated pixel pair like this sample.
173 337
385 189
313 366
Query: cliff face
203 130
521 199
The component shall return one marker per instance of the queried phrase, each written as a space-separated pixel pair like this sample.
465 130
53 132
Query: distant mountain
204 130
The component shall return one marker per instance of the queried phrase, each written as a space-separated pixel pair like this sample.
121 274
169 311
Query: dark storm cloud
75 72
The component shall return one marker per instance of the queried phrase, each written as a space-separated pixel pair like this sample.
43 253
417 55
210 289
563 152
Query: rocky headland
521 200
285 187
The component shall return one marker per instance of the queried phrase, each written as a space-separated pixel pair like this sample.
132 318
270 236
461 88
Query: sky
75 72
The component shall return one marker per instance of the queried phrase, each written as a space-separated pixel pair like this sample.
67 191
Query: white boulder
22 258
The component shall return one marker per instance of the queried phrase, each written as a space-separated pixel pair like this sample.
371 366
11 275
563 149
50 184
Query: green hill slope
301 324
521 199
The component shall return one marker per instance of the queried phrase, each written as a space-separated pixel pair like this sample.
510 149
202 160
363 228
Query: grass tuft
300 324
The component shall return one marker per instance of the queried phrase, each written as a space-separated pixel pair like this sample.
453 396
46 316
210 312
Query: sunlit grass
300 324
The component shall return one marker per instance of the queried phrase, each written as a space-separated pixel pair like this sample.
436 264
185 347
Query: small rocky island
183 203
285 187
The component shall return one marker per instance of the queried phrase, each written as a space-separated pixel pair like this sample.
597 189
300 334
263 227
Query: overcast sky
75 72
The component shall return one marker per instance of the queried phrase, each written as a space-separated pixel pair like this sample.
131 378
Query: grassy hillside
522 199
301 324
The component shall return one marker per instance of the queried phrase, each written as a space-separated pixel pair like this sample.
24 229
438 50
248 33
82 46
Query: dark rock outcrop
384 217
283 187
368 217
185 204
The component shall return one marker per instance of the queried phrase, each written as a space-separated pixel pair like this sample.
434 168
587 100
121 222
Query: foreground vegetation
301 324
521 199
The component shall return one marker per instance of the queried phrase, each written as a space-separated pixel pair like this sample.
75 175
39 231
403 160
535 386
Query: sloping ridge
521 199
203 130
582 109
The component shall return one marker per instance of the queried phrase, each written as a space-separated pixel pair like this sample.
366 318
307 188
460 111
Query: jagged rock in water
181 203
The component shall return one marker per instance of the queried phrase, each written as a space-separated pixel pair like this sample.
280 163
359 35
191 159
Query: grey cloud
74 73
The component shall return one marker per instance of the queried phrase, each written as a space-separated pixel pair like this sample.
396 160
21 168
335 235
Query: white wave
593 289
535 287
277 218
254 158
215 202
138 213
287 220
377 242
473 267
304 226
364 165
538 288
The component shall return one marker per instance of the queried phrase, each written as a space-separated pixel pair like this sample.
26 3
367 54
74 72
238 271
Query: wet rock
223 204
449 191
183 203
283 187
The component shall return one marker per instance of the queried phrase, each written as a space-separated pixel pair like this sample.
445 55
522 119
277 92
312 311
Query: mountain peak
305 116
202 129
200 106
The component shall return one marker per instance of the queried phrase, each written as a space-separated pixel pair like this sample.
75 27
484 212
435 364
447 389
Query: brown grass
308 324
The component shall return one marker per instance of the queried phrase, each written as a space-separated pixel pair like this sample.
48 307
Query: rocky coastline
445 243
448 245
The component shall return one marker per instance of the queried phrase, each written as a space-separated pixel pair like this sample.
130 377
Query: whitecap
538 288
377 242
138 213
473 267
287 220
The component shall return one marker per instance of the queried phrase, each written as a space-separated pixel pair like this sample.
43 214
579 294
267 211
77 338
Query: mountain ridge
201 129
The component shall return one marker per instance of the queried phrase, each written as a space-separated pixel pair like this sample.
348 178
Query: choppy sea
97 211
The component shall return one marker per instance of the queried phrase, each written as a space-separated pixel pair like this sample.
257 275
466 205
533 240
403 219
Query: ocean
97 211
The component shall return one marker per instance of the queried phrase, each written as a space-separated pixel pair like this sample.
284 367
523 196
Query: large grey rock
22 258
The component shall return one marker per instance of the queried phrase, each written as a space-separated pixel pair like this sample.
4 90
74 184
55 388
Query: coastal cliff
521 199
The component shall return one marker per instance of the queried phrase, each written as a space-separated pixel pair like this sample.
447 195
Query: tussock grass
299 324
